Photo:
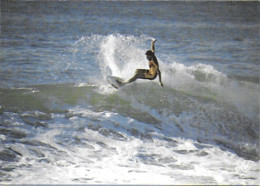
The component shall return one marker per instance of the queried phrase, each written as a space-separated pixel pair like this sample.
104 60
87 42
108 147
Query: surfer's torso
152 73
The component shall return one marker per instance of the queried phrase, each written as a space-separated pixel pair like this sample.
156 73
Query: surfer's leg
139 74
135 77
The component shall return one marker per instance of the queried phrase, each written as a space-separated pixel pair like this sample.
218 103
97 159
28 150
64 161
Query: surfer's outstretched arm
160 77
152 47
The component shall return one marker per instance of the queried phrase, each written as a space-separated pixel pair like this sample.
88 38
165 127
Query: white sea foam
101 159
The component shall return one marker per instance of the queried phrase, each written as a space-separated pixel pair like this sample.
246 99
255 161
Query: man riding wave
150 74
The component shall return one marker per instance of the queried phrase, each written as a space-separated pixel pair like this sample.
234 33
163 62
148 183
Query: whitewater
61 122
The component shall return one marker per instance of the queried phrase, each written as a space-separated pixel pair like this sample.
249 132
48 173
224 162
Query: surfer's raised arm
152 47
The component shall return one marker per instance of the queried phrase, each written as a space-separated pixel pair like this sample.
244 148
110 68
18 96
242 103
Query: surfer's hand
154 40
161 84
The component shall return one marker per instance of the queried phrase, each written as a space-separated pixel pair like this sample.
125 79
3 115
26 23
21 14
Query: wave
119 55
197 103
169 112
196 91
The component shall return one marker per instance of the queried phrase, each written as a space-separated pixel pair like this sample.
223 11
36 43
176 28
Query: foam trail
108 52
120 55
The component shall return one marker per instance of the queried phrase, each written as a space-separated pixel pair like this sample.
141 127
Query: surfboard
116 82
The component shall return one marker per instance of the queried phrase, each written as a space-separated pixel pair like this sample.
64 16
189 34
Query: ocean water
61 122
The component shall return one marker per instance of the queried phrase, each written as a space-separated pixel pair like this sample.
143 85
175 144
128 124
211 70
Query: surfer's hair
149 53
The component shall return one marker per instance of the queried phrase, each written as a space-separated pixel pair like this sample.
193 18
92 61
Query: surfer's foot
119 82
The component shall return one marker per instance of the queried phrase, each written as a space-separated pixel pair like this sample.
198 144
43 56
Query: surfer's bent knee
141 73
150 76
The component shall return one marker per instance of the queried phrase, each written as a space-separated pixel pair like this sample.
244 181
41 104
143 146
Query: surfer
150 74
